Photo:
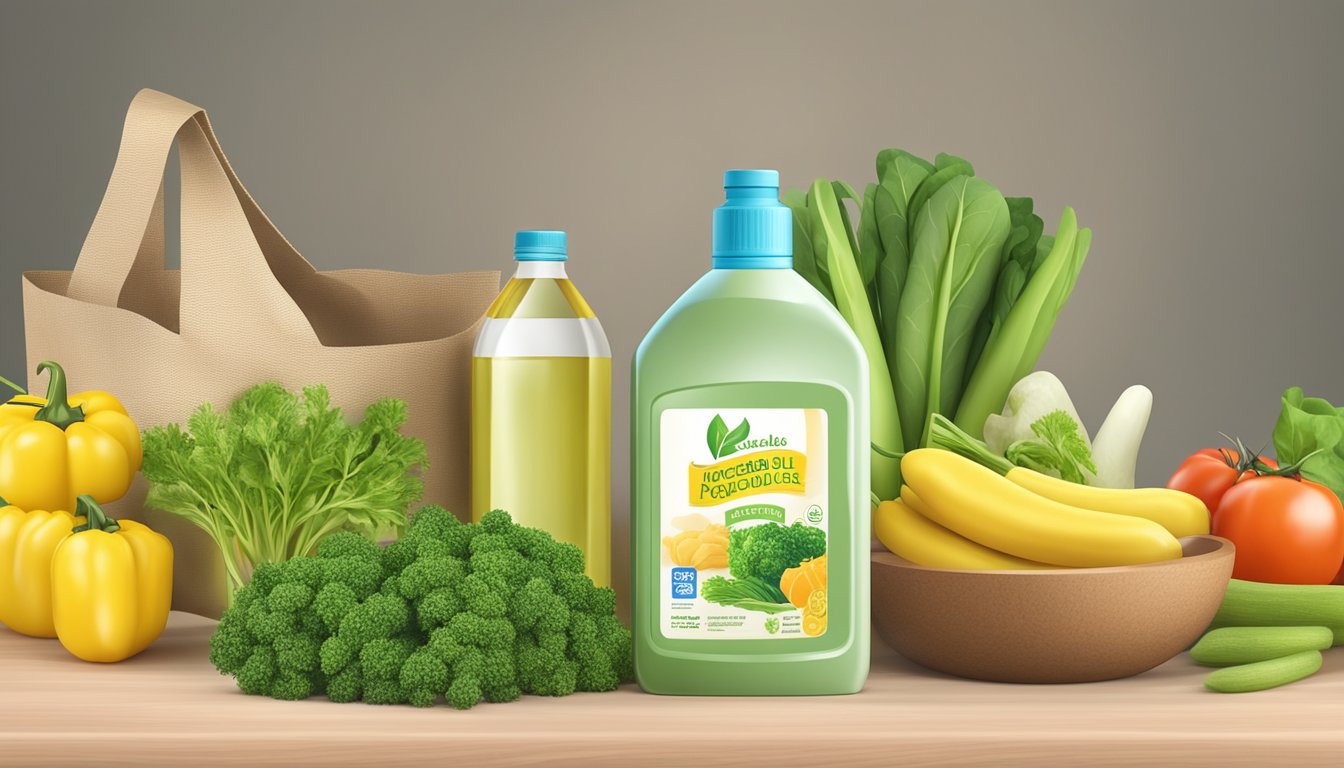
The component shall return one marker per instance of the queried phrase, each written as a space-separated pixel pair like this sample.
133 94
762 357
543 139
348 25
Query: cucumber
1252 604
1243 645
1263 675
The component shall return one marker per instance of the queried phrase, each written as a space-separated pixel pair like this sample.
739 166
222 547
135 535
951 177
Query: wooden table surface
168 706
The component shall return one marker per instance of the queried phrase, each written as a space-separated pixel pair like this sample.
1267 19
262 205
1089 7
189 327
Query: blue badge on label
684 583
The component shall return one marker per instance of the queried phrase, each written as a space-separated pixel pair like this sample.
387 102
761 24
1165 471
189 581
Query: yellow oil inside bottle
542 448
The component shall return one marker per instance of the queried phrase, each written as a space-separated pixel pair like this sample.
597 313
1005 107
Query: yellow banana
1177 511
923 542
986 508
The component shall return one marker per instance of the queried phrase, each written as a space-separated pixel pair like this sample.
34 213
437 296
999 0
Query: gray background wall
1200 140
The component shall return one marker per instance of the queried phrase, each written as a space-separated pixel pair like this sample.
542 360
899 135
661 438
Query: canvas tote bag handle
233 257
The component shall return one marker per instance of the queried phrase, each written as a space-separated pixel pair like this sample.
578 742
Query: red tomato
1287 530
1207 475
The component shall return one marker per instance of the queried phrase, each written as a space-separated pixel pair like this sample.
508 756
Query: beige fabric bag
244 308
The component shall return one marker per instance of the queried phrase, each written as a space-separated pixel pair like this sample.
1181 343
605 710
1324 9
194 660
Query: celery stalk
852 300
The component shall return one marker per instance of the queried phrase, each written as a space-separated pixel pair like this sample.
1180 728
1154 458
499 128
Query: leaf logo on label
723 442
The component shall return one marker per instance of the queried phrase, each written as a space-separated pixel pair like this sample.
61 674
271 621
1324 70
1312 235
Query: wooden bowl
1059 626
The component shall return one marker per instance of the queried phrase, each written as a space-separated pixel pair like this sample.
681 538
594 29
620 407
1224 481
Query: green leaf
723 442
946 168
867 269
958 241
715 435
276 471
1013 352
1310 425
899 174
1059 448
804 255
734 437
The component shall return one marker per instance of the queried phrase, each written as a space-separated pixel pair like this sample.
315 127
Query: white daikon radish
1116 449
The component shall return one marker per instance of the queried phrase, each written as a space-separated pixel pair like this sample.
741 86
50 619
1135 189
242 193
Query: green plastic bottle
750 408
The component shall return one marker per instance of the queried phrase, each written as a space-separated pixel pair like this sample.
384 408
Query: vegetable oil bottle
750 508
541 406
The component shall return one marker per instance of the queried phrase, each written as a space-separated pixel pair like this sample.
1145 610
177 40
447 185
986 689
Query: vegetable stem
58 410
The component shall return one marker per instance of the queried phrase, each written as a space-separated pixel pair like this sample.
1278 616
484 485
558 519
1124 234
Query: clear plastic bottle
750 408
541 406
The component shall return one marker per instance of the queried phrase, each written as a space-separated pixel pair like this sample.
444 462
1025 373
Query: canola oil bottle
541 406
750 505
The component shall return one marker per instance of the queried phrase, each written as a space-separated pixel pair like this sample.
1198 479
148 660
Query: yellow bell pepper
111 586
27 542
56 448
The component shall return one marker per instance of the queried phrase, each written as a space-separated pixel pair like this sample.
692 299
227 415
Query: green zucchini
1263 675
1243 645
1252 604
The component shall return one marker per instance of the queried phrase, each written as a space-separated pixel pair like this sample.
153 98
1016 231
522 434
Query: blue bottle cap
539 245
752 229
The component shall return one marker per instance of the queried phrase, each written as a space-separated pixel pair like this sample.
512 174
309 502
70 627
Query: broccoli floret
566 558
437 608
363 576
333 602
386 692
432 522
482 597
505 568
291 686
443 645
348 544
396 556
496 521
336 654
769 549
430 573
297 653
231 645
561 680
423 677
305 570
347 685
264 578
258 673
464 693
536 605
379 617
457 542
289 597
382 659
268 626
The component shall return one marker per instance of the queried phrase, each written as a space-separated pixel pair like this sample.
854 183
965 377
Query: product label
744 523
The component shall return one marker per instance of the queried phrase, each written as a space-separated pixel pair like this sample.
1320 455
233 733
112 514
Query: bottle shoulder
773 318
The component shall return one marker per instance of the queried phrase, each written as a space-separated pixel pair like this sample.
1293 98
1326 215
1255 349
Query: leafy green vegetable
1311 430
1013 351
951 289
750 594
772 625
463 612
1058 450
958 237
275 473
765 551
